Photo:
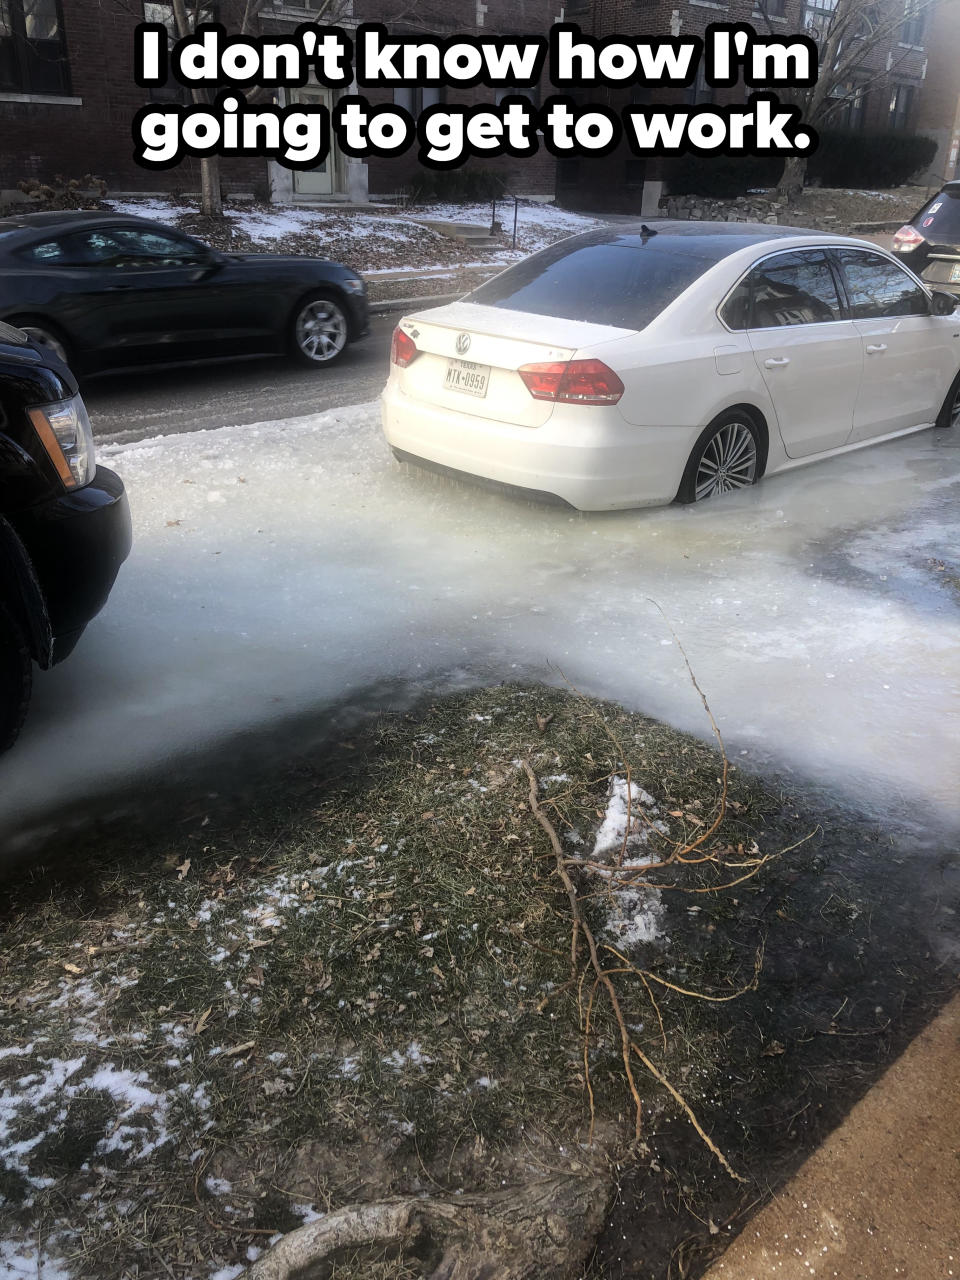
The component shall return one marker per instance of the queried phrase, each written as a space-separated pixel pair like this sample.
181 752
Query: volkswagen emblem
463 343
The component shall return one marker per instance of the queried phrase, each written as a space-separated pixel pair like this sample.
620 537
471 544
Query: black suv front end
64 522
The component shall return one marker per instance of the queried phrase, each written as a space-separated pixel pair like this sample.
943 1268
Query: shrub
843 159
87 192
721 177
846 159
457 186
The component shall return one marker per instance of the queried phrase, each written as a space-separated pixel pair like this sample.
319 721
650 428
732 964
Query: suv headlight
66 435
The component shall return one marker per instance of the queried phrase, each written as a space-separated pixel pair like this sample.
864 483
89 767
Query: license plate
955 274
463 375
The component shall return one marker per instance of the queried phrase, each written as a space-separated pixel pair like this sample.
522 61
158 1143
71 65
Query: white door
318 181
907 352
809 356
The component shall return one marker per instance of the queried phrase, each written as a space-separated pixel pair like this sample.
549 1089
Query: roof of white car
707 239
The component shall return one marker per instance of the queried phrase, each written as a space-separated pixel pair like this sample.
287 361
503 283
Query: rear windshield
620 281
940 219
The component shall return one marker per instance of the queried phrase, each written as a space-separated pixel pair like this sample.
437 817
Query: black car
64 521
110 290
929 244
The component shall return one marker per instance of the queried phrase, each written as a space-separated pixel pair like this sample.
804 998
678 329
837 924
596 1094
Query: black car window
619 281
939 220
878 287
45 251
735 312
793 288
142 248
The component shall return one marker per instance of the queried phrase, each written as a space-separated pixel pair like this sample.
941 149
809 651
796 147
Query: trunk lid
500 342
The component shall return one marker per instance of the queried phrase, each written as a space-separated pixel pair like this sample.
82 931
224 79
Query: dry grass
343 991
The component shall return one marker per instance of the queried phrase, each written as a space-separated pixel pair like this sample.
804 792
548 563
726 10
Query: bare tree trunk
791 180
211 201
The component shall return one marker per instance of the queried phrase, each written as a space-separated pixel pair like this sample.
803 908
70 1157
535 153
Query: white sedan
636 366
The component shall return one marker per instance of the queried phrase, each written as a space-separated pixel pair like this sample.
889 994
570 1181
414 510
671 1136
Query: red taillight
907 238
403 350
573 382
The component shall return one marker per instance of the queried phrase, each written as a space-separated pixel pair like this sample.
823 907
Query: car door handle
776 362
876 348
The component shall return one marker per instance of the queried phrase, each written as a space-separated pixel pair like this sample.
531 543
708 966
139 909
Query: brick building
67 94
881 93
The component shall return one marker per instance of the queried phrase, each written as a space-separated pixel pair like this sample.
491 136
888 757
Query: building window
817 17
700 92
162 13
33 51
851 106
770 9
901 100
416 100
912 30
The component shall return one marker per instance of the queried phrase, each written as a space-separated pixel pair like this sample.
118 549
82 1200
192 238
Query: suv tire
16 679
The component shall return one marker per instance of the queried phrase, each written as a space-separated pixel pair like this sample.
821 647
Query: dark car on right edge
929 244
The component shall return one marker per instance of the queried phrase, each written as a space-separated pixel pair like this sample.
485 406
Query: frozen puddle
289 566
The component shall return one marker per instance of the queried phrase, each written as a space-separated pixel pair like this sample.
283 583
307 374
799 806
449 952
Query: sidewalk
881 1198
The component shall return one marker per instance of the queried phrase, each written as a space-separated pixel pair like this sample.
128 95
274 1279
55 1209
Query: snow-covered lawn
373 242
294 565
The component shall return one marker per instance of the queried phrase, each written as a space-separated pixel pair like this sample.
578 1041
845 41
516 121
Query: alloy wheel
955 410
321 330
728 462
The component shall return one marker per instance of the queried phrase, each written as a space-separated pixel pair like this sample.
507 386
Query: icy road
288 566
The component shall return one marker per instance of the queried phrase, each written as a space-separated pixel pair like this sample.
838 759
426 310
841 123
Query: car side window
792 289
46 251
879 288
147 248
89 248
736 310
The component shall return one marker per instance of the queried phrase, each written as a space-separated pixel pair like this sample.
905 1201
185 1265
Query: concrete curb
414 304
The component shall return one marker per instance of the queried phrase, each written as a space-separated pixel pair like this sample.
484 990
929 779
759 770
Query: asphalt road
135 406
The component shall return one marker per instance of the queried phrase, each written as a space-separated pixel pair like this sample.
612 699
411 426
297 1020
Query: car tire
727 456
949 415
16 679
43 334
319 331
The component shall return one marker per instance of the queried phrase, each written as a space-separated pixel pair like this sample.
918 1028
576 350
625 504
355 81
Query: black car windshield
940 219
621 280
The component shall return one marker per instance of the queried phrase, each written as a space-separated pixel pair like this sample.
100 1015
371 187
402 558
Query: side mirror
943 304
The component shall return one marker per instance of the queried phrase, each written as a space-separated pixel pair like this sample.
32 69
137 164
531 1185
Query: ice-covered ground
290 566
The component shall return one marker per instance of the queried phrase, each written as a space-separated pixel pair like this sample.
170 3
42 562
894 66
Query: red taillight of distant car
907 238
403 350
573 382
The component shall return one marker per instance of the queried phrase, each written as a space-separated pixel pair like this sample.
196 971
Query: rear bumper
591 458
77 542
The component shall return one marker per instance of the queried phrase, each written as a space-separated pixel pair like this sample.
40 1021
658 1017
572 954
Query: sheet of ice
293 566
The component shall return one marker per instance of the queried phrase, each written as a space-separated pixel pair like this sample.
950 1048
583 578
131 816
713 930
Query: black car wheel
45 336
950 413
16 679
726 457
320 330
